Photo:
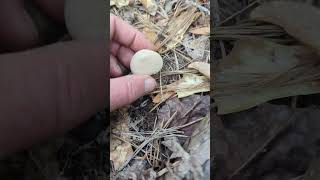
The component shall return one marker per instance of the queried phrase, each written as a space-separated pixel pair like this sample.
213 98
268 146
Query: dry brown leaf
199 144
119 3
189 165
184 111
202 67
162 97
299 19
190 84
195 158
200 31
150 5
150 35
177 28
120 148
257 71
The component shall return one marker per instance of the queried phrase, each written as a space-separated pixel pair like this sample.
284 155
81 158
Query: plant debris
195 47
271 137
177 27
162 97
200 31
189 114
303 24
150 5
119 3
265 51
120 147
257 71
202 67
189 167
137 171
173 26
188 85
179 113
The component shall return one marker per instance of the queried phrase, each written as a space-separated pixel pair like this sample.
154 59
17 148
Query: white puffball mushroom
146 62
86 19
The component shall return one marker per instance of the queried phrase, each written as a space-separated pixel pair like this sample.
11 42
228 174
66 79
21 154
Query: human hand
125 40
45 90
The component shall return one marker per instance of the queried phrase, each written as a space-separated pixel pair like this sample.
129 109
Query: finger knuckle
131 89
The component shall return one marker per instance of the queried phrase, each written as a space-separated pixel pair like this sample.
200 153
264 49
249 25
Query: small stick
165 170
240 12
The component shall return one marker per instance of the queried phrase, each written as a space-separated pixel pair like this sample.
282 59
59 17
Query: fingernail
149 85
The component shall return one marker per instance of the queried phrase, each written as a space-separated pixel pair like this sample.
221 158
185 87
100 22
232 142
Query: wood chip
200 31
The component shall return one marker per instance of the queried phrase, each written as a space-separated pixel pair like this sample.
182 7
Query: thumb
127 89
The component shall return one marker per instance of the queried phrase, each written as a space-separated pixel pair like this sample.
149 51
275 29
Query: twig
182 55
254 3
170 119
191 109
169 73
165 170
132 144
190 123
161 92
201 8
157 105
176 60
155 135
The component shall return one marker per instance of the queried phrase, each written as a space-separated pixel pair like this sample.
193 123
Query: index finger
127 35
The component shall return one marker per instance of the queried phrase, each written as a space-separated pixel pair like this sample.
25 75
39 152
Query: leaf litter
161 127
304 24
140 153
120 148
257 71
265 93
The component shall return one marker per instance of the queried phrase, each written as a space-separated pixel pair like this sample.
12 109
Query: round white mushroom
146 62
86 19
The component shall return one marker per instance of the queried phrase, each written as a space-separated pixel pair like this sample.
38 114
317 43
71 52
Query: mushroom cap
146 62
86 19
